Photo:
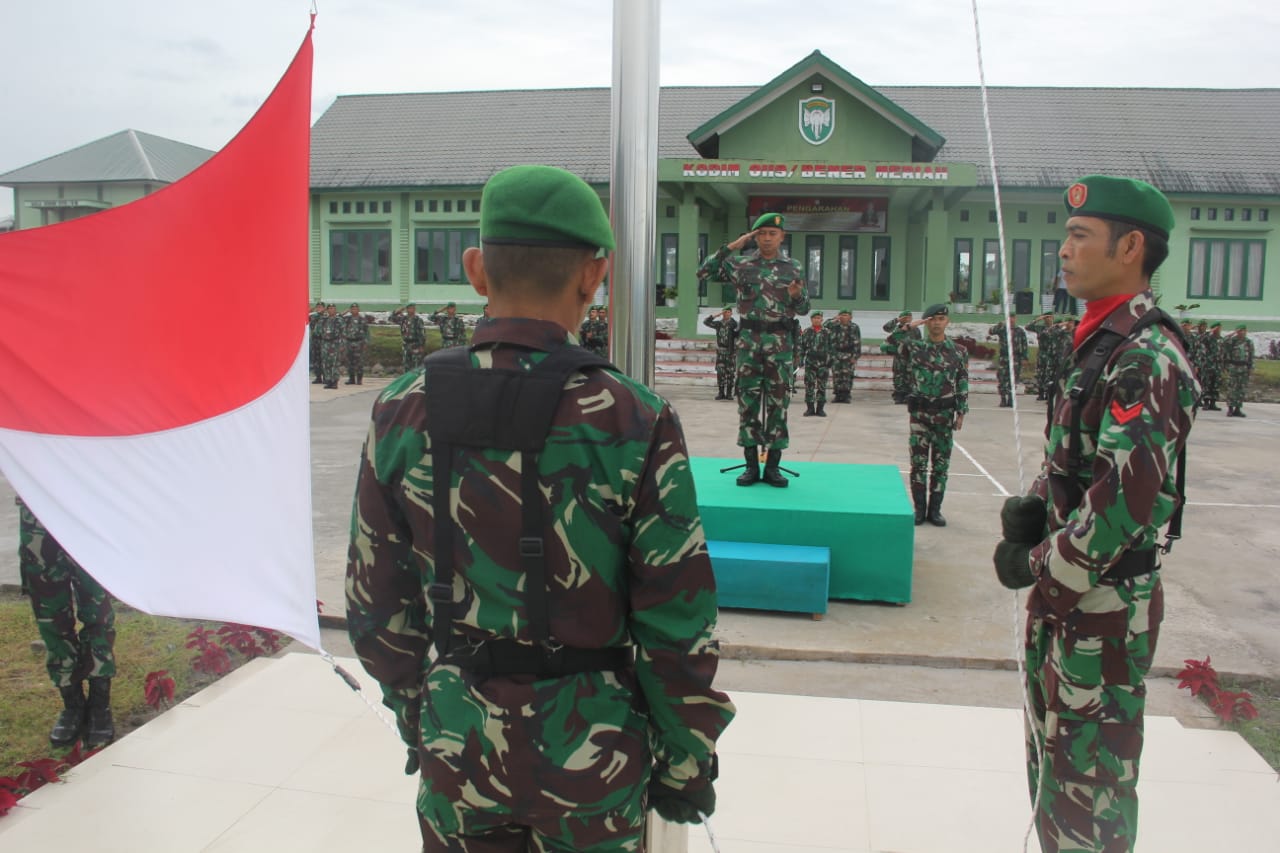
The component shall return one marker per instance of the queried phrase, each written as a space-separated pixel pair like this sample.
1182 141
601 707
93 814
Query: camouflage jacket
330 328
1131 429
627 565
1195 351
1211 351
898 335
726 332
936 371
1001 332
845 339
1237 352
354 328
452 329
595 334
814 349
413 329
761 283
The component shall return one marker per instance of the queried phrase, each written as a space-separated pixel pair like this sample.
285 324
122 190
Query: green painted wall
112 194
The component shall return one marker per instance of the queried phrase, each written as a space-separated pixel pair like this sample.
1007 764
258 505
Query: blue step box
755 576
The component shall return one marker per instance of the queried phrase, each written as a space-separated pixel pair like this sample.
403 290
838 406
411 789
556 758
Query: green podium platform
861 512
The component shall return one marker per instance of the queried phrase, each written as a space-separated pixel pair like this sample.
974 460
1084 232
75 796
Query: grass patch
29 703
1263 734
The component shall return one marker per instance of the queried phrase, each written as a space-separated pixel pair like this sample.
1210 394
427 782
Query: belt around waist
919 404
1131 565
507 657
767 325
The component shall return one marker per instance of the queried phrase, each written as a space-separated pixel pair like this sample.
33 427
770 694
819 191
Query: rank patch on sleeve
1133 378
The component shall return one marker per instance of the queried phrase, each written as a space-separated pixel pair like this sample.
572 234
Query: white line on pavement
1003 491
1236 506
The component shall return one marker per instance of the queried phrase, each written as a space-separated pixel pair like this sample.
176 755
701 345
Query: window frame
958 295
1205 266
466 238
848 271
376 240
881 243
812 241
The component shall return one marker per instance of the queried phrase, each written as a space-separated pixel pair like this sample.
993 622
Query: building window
991 215
360 256
1228 214
475 205
1213 214
671 211
1226 269
670 260
1263 214
448 205
964 214
438 254
346 207
785 248
432 205
1246 214
333 207
880 268
991 271
813 246
359 207
417 205
848 285
386 207
962 271
1021 264
1049 261
1022 216
1195 213
704 245
1052 218
462 205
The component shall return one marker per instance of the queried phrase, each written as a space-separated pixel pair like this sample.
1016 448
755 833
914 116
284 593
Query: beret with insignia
770 220
935 310
1121 200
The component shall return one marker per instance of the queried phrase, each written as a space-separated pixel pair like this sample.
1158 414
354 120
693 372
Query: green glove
682 806
1023 519
1013 564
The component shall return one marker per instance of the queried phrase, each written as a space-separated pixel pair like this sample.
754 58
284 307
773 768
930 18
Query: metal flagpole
633 186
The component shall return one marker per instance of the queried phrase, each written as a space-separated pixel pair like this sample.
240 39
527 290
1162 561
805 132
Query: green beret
1242 327
355 304
902 314
727 308
936 309
1215 325
770 220
543 206
1121 200
815 314
452 305
845 311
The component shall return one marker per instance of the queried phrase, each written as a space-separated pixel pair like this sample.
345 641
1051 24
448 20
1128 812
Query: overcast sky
77 70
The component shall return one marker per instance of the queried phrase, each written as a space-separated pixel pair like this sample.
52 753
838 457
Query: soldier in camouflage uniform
1048 340
571 687
846 347
355 340
814 354
329 330
453 329
937 400
313 352
62 592
1084 538
900 329
726 338
594 334
1007 379
771 293
413 337
1237 360
1211 374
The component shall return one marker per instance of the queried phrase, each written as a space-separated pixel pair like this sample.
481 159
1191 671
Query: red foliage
272 641
319 607
1232 707
1199 677
1202 680
240 638
201 638
158 689
212 659
40 772
7 798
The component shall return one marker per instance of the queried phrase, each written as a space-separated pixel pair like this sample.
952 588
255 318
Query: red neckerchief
1095 312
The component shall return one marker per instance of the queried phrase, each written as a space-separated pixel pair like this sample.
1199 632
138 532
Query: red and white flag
154 383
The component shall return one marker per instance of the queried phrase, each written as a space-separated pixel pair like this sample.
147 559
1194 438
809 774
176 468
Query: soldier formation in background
900 329
413 337
355 341
846 349
1006 376
726 345
313 349
329 329
1237 361
1053 346
1210 368
813 353
453 329
594 332
61 593
937 400
771 293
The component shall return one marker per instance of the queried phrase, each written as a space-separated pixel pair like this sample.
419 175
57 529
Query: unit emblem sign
817 119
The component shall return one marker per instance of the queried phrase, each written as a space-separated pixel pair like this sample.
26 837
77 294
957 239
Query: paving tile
946 736
320 823
779 725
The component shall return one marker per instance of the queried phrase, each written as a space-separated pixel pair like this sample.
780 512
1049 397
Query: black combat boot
99 728
935 510
70 724
1240 412
720 391
918 498
1213 406
808 410
772 475
751 476
822 409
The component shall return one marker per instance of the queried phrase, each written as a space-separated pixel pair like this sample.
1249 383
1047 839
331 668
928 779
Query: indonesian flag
154 386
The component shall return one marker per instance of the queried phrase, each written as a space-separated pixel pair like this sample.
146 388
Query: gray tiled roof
1181 140
129 155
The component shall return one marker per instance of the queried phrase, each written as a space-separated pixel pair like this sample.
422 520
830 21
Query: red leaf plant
271 640
1233 707
212 659
8 799
240 638
1199 677
158 689
1202 680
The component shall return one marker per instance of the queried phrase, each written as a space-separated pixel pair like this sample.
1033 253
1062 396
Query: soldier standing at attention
1237 360
1084 537
453 329
937 401
771 293
313 352
1211 376
1047 332
814 355
900 329
355 339
330 329
1007 378
413 337
846 348
587 330
571 614
62 592
726 338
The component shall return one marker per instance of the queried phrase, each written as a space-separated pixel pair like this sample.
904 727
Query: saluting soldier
1237 360
453 329
1006 377
726 340
1084 538
846 349
814 354
1046 330
900 329
413 336
937 401
552 554
355 340
1211 375
313 349
330 330
771 293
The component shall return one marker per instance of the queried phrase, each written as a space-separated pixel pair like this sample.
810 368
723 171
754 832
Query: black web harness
1094 362
501 409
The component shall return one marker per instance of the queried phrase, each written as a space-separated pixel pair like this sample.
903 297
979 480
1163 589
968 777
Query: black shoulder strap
493 409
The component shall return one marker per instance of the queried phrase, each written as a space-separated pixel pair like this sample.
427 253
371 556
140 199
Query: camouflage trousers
764 390
330 356
929 445
1044 374
1237 383
514 763
1211 381
842 370
1006 380
815 384
411 356
353 358
445 343
726 369
901 385
314 358
60 592
1087 697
